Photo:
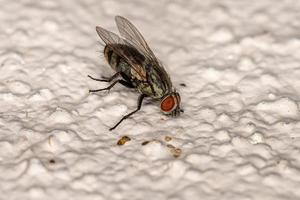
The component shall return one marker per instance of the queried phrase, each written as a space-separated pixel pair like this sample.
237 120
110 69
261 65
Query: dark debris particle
182 84
52 161
144 143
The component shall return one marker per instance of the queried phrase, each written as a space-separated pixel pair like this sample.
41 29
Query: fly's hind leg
125 83
140 101
105 79
107 88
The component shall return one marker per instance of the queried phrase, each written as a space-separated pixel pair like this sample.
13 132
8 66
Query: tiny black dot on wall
52 161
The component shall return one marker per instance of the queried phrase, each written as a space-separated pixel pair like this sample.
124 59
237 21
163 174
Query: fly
136 66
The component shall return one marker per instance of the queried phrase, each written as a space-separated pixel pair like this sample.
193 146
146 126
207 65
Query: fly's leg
105 79
107 88
140 101
125 83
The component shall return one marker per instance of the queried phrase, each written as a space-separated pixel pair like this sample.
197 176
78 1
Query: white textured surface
239 135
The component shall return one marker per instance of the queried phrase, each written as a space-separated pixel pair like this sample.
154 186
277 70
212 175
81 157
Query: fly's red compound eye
168 104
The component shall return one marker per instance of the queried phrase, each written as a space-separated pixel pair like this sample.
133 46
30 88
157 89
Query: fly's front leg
140 101
105 79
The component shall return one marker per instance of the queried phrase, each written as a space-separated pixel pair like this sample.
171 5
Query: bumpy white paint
237 139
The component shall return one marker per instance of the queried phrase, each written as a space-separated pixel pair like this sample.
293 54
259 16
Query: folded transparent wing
134 37
111 39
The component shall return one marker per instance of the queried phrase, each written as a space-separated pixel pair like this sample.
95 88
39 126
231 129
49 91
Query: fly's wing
134 37
111 39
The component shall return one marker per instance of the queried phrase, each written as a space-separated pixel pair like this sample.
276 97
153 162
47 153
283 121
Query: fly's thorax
150 90
159 85
155 86
159 80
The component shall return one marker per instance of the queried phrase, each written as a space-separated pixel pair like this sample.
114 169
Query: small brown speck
170 146
182 84
168 138
176 152
123 140
52 161
146 142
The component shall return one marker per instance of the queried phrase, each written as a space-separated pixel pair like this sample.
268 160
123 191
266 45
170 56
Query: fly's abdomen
120 65
117 63
155 89
112 58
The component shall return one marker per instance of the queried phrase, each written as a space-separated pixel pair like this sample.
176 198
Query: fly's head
170 104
